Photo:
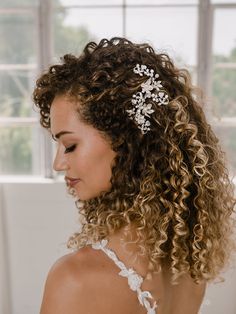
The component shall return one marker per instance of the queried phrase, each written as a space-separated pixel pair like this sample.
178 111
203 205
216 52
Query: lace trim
134 280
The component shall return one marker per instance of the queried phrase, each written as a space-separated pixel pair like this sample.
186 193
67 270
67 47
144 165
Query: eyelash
70 149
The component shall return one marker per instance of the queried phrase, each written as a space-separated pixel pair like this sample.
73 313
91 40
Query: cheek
99 166
92 163
105 165
95 173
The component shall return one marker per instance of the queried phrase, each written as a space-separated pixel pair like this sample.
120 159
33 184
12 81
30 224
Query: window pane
17 3
17 37
228 143
73 28
165 29
15 91
164 2
224 78
90 2
224 92
17 62
223 1
20 150
224 37
224 63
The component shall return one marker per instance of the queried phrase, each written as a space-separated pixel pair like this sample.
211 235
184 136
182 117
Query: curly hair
171 183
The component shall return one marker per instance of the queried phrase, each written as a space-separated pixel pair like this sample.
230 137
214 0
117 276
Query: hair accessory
152 88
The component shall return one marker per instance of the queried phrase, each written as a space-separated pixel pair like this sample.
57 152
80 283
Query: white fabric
134 280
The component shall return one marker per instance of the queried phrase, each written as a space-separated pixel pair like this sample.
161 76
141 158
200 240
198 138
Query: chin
89 196
84 197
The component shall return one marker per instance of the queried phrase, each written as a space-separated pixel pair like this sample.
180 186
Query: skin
87 282
78 282
83 153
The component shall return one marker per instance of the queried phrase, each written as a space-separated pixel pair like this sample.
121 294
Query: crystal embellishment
151 89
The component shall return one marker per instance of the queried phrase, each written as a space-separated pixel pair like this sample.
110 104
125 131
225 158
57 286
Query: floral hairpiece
152 88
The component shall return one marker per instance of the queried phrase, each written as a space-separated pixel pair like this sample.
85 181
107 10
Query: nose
60 163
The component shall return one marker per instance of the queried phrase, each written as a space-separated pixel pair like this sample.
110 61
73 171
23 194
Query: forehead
63 111
64 116
62 105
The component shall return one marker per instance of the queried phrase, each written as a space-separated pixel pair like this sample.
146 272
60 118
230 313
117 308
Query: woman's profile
149 178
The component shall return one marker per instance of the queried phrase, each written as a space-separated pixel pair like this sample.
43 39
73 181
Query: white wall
36 220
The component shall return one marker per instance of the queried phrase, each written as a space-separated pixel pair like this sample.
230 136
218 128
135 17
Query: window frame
44 13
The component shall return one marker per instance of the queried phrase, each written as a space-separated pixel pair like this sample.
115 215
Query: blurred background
36 214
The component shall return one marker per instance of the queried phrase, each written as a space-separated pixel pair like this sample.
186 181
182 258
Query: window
198 35
155 24
18 67
73 27
223 81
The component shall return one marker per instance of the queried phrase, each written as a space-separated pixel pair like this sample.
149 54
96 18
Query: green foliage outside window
224 91
19 46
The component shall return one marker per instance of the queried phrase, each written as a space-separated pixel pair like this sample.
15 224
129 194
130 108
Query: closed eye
70 149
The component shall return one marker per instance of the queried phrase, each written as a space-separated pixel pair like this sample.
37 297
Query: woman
150 182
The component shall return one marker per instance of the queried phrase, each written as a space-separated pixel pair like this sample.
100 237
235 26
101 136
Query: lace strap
134 280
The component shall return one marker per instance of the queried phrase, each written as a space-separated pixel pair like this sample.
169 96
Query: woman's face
82 153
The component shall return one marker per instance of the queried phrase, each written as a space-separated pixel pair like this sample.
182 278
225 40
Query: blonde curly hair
171 183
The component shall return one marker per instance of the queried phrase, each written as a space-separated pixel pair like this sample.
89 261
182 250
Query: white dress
134 280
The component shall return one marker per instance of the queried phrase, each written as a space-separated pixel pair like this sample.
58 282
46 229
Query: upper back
87 281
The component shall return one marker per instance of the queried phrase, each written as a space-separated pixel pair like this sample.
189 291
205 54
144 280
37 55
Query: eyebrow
58 135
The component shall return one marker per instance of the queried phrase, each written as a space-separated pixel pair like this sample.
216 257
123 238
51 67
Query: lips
71 181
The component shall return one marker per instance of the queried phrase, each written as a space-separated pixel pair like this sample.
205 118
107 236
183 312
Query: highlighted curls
172 183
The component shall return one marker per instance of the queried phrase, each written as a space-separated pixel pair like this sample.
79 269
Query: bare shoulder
68 281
